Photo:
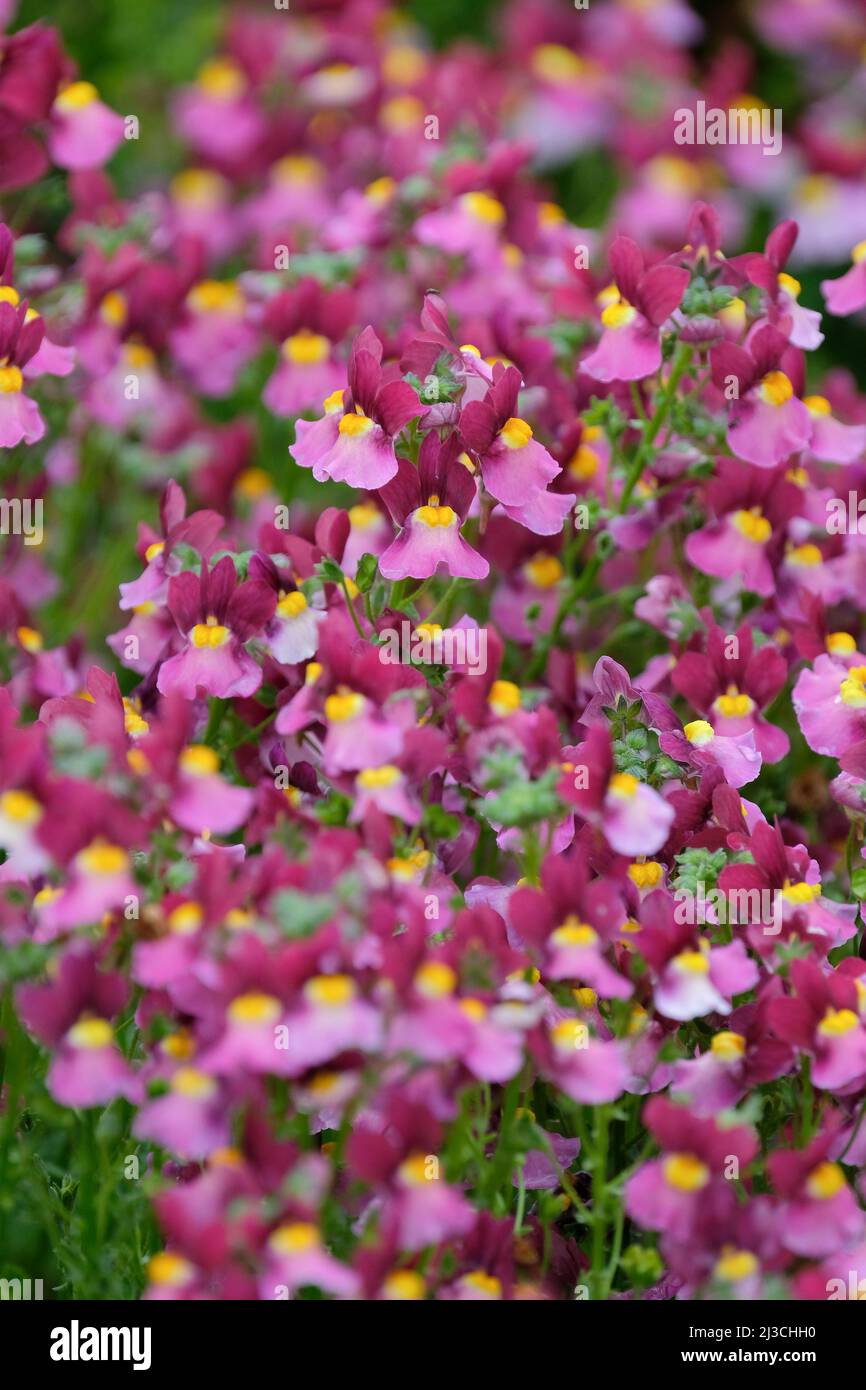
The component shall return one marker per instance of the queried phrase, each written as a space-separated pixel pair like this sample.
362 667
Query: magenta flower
431 503
743 1055
307 322
516 469
633 817
637 305
823 1019
731 683
819 1212
767 423
692 978
213 339
20 339
751 511
84 131
73 1013
354 442
215 617
673 1193
198 530
848 294
767 271
571 925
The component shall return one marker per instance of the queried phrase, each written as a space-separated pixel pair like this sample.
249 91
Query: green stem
444 602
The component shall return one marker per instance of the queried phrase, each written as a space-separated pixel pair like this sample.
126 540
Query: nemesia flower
420 500
638 304
215 616
358 447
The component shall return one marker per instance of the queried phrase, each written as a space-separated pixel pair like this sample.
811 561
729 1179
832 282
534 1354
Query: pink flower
84 132
637 305
430 503
516 469
848 294
354 442
215 616
767 423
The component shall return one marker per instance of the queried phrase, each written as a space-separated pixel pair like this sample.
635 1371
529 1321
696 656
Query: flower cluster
432 868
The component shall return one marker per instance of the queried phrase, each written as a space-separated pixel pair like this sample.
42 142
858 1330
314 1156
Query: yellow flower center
685 1172
585 463
699 732
553 62
434 515
544 571
825 1181
30 639
775 389
645 875
853 688
199 760
618 315
817 405
753 525
789 285
210 634
504 698
343 706
91 1033
312 673
297 168
567 1034
355 424
734 1265
76 96
11 380
330 991
806 555
380 191
623 784
103 859
185 919
372 778
483 1282
484 208
404 1286
728 1046
222 79
837 1022
435 979
254 1008
194 1084
292 605
169 1270
515 433
403 65
364 515
306 349
295 1238
859 252
574 933
197 187
800 892
733 704
692 963
401 113
20 806
216 296
840 643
